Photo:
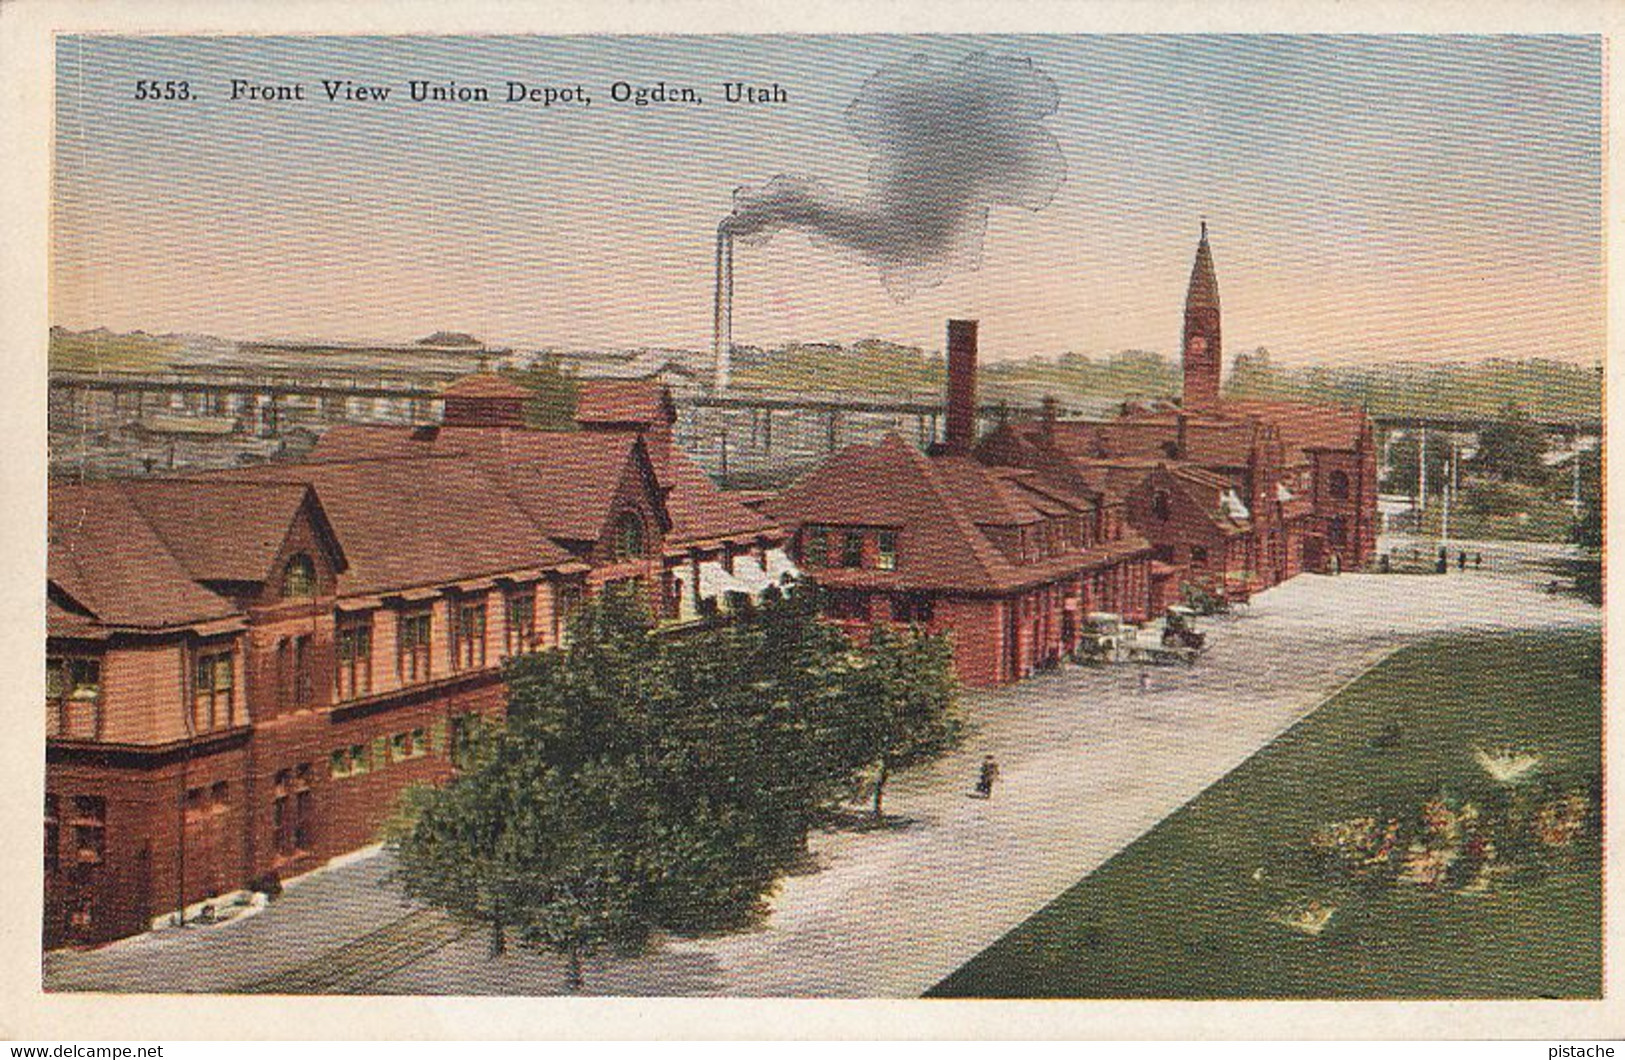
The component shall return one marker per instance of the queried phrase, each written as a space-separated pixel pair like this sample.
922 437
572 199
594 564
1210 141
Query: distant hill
104 350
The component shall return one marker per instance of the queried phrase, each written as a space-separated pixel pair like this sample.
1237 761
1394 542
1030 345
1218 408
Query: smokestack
961 387
722 312
1051 413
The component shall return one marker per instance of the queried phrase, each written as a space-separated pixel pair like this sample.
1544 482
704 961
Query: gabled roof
623 402
564 481
104 556
1305 426
226 530
939 506
418 520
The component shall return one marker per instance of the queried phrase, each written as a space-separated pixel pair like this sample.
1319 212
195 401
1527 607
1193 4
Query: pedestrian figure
1478 561
1443 566
1461 561
984 782
1145 681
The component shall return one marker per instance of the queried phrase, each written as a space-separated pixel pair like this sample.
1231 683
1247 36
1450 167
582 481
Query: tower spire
1203 353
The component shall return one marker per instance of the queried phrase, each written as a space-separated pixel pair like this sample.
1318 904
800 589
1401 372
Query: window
73 693
213 691
912 607
1337 532
629 537
852 548
53 833
412 655
291 810
815 546
468 634
354 678
405 745
464 732
299 578
303 686
89 829
1159 505
1198 556
219 797
196 806
520 612
338 763
359 761
567 599
887 558
1337 484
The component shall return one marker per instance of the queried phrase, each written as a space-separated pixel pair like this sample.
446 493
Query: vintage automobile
1180 640
1105 637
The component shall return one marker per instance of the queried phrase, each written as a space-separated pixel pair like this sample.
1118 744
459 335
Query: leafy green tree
908 684
553 404
1511 447
1401 476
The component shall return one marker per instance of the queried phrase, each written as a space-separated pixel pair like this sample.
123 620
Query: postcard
936 514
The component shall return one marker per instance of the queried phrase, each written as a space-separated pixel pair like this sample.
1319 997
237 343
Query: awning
716 582
747 570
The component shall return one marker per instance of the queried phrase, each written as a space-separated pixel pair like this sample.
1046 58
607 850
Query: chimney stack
961 387
1050 415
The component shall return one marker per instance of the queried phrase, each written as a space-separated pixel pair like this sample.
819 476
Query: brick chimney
961 387
1050 414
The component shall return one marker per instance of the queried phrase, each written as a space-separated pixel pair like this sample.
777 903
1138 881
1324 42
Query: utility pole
1422 469
1449 475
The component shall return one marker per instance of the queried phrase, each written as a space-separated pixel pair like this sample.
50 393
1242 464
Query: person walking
984 782
1461 561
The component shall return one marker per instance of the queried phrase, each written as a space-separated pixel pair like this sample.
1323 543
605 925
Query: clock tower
1203 354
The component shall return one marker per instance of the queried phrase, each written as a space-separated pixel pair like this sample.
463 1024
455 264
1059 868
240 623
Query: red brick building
246 669
1234 495
1006 560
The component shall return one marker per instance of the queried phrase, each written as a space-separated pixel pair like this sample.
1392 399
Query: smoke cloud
950 139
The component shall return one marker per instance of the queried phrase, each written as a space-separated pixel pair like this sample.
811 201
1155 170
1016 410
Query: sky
1368 198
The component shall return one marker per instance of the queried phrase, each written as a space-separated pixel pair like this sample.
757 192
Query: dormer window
629 537
886 559
299 578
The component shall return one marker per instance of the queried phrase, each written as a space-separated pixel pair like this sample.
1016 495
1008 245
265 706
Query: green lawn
1195 908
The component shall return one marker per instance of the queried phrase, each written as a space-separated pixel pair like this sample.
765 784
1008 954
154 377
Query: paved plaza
1088 762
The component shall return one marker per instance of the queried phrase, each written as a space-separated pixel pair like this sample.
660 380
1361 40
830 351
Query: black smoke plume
950 138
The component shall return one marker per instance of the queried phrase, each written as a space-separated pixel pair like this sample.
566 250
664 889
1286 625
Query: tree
1401 476
553 404
908 682
1511 447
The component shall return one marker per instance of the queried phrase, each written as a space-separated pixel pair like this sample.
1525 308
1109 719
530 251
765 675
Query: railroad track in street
352 967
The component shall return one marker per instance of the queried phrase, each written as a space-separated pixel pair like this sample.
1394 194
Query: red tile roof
939 506
640 402
105 556
565 481
421 521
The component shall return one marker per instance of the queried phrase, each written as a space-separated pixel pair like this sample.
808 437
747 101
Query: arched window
299 577
629 537
1159 505
1337 484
